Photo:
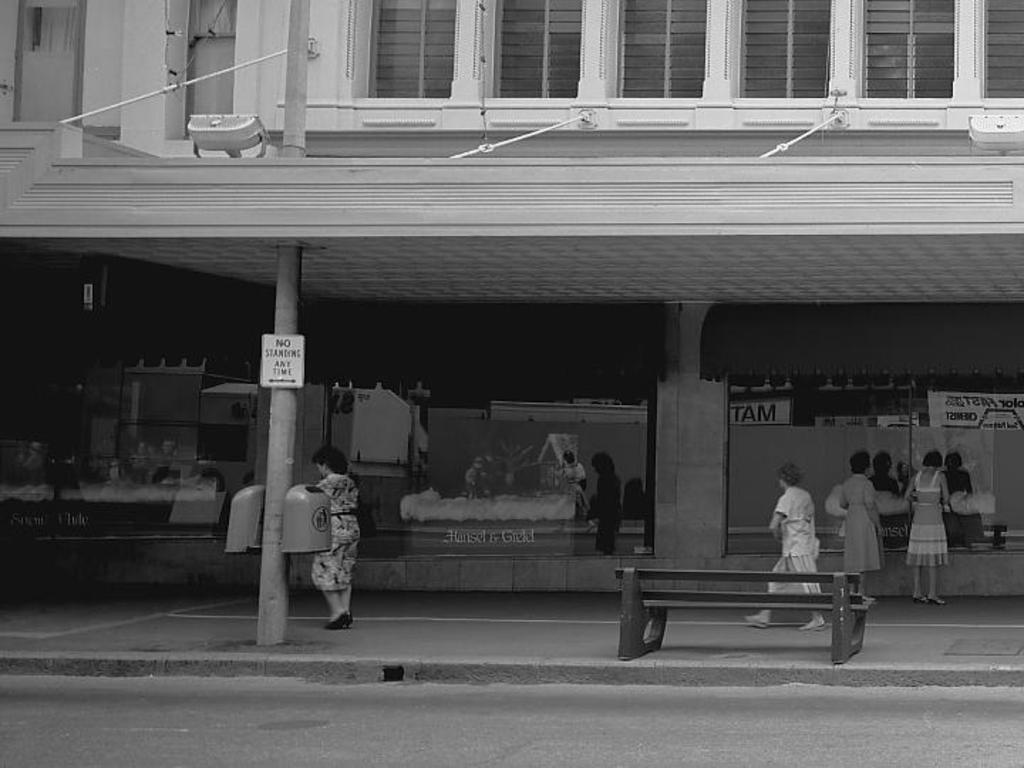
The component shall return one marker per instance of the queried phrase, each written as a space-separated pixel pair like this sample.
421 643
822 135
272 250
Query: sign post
273 600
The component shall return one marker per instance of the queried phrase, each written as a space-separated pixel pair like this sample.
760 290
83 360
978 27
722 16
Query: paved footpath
503 637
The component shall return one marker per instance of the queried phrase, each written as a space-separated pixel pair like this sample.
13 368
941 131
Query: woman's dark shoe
935 600
341 621
920 599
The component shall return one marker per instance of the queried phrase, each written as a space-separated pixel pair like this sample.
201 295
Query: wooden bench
644 610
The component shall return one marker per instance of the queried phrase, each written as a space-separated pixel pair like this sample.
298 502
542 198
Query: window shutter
786 48
1004 56
415 51
540 48
909 49
663 48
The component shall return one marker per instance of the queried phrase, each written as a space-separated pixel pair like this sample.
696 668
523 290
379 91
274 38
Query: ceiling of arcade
827 269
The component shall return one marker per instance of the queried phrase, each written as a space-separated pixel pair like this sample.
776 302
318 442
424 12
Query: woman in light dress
793 523
862 548
927 550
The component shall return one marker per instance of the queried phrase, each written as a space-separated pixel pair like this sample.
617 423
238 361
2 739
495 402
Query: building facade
673 276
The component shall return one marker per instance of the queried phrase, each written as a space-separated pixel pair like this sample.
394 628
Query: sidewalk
504 637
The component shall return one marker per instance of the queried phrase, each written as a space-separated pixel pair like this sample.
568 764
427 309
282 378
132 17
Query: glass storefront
481 434
471 430
820 425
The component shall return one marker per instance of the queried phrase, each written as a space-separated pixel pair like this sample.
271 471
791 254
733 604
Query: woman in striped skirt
927 547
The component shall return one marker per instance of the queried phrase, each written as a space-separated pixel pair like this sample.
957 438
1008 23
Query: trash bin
245 523
307 520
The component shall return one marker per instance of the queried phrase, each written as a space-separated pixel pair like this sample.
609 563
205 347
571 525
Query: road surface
111 722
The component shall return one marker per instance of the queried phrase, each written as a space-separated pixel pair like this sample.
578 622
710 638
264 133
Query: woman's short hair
790 473
932 459
953 460
602 463
859 462
882 463
333 458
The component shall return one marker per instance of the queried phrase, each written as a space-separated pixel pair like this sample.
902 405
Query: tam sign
751 412
283 361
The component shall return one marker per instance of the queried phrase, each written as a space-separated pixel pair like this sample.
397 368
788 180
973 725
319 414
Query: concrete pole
294 141
273 600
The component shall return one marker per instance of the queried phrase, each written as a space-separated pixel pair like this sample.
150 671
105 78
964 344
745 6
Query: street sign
283 361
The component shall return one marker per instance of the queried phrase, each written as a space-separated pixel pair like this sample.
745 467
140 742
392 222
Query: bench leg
848 630
654 632
860 620
632 618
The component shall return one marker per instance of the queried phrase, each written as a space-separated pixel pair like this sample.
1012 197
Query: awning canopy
535 229
873 340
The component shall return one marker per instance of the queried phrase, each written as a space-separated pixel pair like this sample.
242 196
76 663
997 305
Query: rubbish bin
307 520
245 523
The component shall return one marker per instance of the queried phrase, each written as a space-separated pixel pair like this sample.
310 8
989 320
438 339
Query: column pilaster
968 64
690 496
597 51
721 44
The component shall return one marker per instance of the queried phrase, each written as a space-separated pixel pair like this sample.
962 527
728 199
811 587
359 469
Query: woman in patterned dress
927 547
862 544
332 570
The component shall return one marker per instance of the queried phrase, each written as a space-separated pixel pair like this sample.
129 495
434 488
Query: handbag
835 502
835 505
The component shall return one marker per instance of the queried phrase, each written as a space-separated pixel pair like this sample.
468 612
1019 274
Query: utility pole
273 599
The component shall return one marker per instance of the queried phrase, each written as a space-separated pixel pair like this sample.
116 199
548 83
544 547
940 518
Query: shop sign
842 421
976 410
896 422
282 362
773 411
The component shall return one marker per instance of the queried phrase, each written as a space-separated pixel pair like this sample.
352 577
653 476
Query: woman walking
793 522
332 570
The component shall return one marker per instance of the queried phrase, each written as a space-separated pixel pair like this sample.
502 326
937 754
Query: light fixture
227 133
997 133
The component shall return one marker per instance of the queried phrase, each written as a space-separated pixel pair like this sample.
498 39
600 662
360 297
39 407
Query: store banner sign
760 412
976 410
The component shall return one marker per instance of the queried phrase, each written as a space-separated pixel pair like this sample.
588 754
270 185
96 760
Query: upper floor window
663 48
1004 53
415 48
540 48
909 49
786 49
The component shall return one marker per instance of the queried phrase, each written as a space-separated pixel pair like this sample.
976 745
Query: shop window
785 47
211 47
540 48
663 48
473 462
415 48
1004 49
819 423
909 49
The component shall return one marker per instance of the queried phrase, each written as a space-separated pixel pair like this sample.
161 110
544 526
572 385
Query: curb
346 670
